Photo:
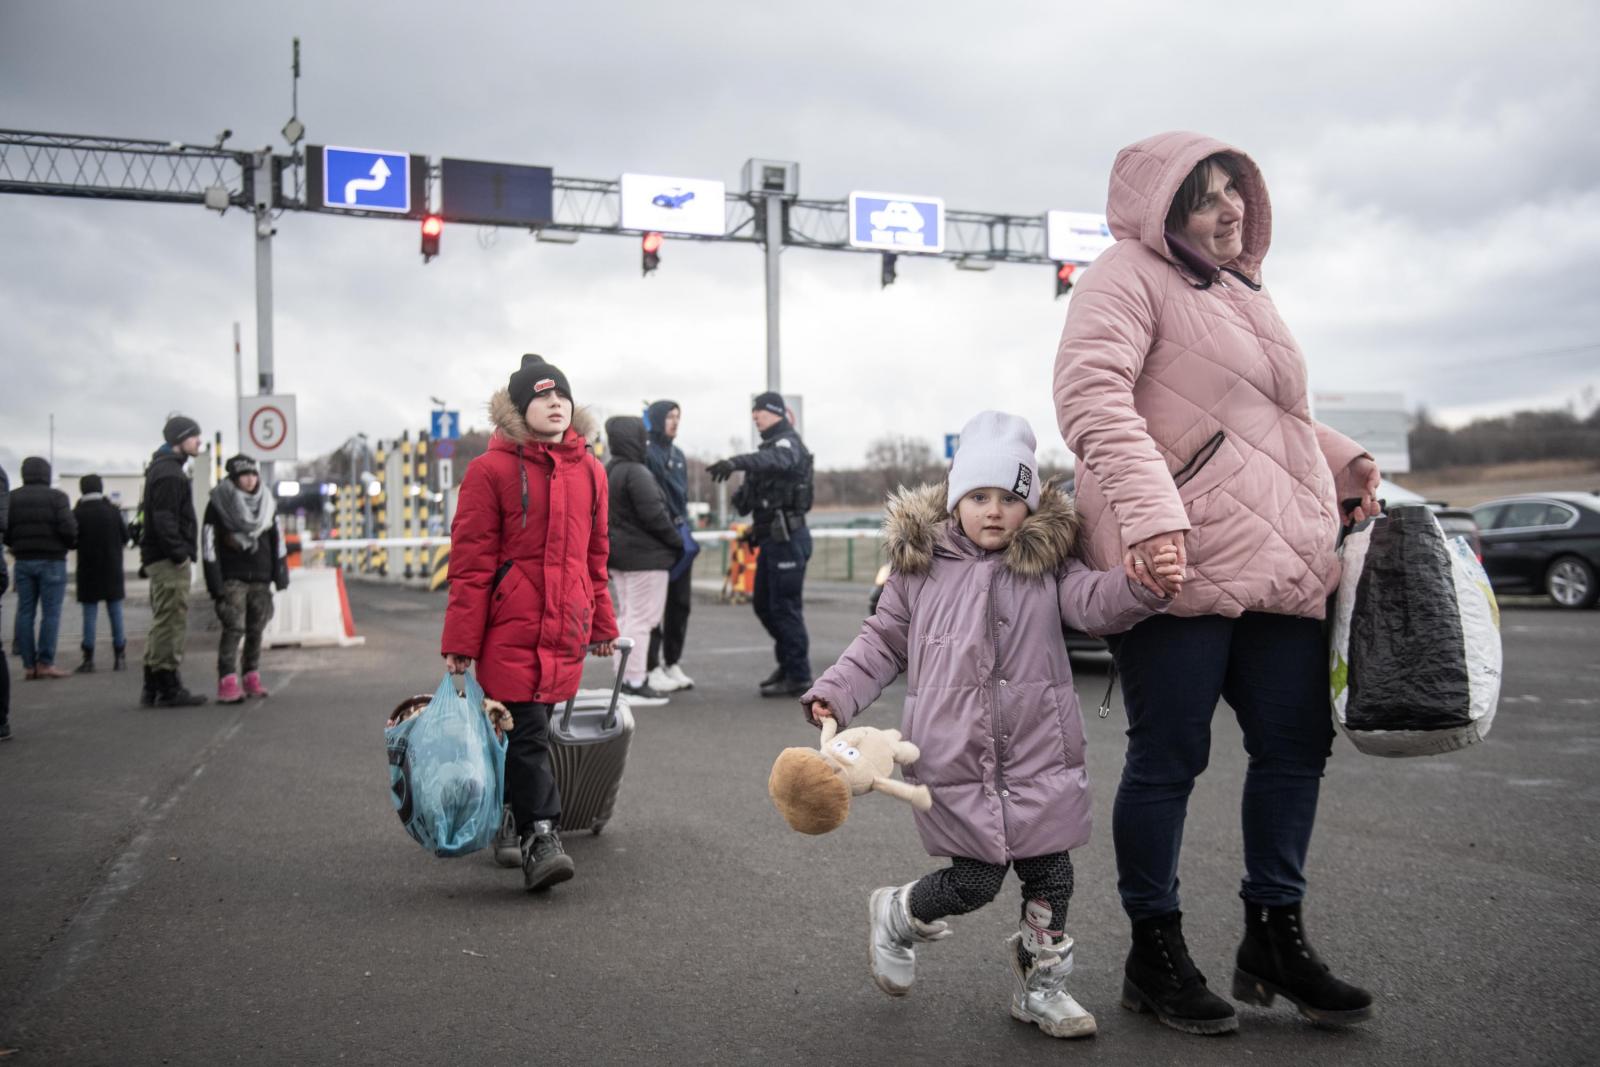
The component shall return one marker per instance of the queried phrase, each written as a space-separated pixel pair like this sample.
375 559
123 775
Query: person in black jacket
667 463
644 545
244 559
5 583
168 547
102 534
778 489
40 532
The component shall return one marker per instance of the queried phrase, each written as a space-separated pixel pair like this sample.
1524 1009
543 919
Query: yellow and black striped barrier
439 573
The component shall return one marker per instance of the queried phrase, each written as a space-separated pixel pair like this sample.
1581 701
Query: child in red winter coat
528 594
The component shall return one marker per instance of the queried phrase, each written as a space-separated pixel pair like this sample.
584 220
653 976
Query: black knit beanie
772 402
240 465
91 483
535 376
179 427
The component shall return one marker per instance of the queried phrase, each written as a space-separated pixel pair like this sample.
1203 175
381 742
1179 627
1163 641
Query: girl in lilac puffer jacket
983 579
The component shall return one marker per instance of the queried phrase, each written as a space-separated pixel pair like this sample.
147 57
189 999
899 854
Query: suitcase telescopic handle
625 646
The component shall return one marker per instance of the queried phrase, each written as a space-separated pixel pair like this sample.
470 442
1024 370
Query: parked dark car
1458 522
1543 543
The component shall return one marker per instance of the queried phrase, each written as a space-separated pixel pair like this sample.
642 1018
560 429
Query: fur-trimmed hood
508 421
916 527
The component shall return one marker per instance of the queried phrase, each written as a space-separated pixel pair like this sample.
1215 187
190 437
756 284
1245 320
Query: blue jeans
41 587
91 610
779 585
1273 671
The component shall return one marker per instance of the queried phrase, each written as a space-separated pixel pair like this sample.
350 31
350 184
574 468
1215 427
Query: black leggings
530 783
967 885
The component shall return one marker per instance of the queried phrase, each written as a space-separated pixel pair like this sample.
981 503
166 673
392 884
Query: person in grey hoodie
983 580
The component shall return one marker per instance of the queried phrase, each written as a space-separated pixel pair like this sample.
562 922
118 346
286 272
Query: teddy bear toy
812 787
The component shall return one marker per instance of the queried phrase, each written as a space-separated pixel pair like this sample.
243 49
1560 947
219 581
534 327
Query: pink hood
1183 397
1146 176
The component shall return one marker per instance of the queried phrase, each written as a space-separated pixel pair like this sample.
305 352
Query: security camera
223 136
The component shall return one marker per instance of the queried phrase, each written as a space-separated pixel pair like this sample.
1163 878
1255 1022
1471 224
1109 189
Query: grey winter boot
1040 995
892 930
544 861
507 852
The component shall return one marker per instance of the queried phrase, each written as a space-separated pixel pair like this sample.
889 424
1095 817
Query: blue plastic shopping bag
447 772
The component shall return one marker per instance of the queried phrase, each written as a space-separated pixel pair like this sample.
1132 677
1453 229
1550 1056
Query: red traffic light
432 227
650 253
1064 273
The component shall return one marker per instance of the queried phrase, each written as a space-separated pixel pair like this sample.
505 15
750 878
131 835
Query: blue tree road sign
446 426
367 180
894 223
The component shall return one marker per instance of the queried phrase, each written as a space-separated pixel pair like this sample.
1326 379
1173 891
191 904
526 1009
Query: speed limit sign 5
267 427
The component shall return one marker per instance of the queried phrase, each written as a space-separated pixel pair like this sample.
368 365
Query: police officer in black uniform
778 489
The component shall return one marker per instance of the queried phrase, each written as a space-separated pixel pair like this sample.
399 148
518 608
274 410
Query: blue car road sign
446 426
891 223
366 180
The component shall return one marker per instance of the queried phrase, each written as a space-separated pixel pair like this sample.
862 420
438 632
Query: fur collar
916 527
509 421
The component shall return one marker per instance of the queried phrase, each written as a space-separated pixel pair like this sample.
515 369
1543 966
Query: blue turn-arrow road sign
446 426
366 180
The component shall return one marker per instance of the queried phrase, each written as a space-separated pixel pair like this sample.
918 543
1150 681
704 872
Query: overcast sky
1434 170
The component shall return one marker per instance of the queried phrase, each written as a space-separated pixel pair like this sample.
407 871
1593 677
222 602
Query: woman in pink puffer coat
1183 395
983 579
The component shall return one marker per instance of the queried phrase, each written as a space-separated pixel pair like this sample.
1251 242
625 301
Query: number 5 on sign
267 427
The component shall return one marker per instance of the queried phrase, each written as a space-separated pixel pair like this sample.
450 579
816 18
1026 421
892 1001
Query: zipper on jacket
1187 472
998 722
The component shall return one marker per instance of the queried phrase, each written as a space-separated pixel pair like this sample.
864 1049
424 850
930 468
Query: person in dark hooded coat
102 535
645 544
667 463
40 532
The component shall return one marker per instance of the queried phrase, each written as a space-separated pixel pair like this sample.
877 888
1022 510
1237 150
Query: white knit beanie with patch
996 450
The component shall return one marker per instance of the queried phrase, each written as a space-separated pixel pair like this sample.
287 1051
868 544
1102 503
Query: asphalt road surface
231 884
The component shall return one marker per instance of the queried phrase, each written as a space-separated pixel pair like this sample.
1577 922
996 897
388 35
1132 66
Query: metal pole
774 243
263 212
238 383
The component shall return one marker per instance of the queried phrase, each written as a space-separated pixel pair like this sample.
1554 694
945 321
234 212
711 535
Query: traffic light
886 279
1064 272
432 227
650 247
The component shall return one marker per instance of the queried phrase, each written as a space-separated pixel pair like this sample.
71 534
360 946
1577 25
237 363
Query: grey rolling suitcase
589 742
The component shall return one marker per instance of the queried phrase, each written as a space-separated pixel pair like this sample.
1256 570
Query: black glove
721 470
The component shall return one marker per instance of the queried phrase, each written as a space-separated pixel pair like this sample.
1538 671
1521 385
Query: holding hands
1158 564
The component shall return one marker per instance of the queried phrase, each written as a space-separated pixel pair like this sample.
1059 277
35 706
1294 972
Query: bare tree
898 460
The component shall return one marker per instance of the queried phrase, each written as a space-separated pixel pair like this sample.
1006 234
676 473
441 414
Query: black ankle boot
1160 977
147 695
119 659
1276 959
170 692
87 666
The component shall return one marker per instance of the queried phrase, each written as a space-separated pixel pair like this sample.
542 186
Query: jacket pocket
504 590
1212 464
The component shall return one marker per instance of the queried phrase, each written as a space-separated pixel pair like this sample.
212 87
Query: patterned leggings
967 885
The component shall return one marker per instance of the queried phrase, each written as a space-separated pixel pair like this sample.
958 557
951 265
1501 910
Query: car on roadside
1543 543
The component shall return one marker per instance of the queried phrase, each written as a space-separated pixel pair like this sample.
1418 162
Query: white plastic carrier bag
1414 657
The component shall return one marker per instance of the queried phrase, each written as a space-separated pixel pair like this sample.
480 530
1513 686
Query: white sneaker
661 681
675 672
1039 995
